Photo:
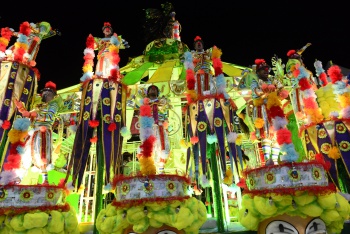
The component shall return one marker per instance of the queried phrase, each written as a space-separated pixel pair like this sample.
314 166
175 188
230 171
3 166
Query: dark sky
243 30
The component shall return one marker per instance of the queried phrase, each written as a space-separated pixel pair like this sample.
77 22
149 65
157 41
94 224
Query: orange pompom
259 123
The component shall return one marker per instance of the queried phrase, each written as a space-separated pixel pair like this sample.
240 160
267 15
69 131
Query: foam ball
329 215
304 199
70 221
248 220
312 209
184 218
111 211
56 224
108 224
154 223
327 201
17 223
134 214
264 206
141 226
33 220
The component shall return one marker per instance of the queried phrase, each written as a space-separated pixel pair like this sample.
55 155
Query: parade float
31 201
308 191
168 142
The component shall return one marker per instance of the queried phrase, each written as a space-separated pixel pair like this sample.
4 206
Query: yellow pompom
147 166
184 143
228 179
334 153
239 139
216 52
273 100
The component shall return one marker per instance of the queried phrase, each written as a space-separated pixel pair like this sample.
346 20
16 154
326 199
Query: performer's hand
20 106
33 114
26 114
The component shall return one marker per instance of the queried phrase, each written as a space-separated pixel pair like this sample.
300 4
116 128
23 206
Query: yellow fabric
163 73
232 70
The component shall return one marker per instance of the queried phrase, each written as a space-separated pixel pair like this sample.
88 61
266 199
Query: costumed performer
105 61
43 116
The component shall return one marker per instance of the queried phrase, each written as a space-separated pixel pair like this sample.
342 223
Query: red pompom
304 84
6 124
93 123
112 127
90 42
284 136
323 78
145 110
275 111
93 139
147 146
194 140
334 73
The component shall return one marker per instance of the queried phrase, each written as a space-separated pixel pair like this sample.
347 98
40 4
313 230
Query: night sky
243 30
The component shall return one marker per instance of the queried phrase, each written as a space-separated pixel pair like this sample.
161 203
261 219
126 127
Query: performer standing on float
173 28
295 59
104 61
268 117
102 110
202 67
160 106
43 117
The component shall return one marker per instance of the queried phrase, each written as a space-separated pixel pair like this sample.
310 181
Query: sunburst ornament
3 194
170 186
26 195
125 188
50 195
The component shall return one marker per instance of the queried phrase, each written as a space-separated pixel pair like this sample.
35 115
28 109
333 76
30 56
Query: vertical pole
218 211
99 177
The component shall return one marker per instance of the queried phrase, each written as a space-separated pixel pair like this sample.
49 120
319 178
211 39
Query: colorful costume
107 47
260 116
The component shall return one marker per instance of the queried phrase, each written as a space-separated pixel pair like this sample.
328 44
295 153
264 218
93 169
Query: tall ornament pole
218 210
99 178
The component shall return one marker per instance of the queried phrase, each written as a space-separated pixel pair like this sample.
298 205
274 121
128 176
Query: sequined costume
41 136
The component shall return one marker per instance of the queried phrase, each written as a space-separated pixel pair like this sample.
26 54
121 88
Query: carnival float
175 141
